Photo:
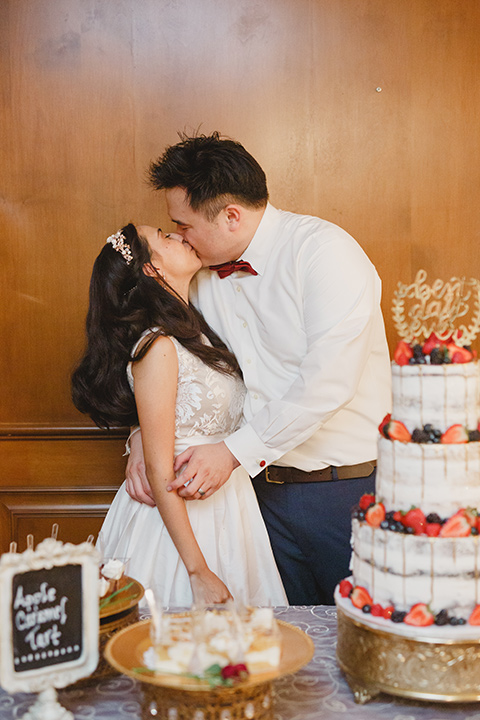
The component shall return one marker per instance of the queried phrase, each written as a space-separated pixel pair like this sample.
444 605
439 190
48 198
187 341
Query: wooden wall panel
364 113
78 514
61 461
58 476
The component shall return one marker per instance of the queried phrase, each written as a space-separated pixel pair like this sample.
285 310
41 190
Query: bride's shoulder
160 360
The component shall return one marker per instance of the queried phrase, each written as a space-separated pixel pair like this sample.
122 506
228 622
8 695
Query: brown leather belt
280 475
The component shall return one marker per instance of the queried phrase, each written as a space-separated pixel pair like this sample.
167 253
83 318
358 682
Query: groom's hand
207 468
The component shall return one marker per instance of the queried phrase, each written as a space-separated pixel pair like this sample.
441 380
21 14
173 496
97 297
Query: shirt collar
258 251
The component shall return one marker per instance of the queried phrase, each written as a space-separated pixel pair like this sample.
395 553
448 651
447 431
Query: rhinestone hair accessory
119 244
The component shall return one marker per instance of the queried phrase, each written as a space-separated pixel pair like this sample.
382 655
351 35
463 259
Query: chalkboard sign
46 617
49 616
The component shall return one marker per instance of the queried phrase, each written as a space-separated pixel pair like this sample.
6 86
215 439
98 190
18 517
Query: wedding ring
201 492
186 484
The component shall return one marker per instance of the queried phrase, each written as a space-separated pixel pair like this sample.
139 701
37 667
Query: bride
152 360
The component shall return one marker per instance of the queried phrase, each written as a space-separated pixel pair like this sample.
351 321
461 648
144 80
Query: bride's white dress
228 525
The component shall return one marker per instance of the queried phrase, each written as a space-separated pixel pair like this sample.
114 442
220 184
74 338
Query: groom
298 302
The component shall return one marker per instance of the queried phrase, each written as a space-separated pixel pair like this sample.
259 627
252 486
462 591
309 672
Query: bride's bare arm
155 378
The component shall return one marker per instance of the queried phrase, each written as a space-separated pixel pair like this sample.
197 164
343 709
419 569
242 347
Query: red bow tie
226 269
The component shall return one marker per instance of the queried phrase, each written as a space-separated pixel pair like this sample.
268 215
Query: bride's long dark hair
124 302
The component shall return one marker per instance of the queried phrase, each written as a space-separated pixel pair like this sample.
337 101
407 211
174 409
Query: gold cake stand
183 698
424 668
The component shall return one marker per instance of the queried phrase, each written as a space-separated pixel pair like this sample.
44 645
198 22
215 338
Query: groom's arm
214 464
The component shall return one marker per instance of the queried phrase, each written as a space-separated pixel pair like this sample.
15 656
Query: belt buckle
269 480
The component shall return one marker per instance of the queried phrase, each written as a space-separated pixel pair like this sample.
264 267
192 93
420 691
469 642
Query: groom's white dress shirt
309 335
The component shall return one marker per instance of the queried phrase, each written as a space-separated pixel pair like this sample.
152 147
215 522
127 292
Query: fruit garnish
433 529
375 514
459 354
415 519
472 516
454 434
376 610
427 434
419 615
345 588
383 427
403 353
456 526
442 618
235 673
366 500
398 431
431 342
360 597
474 618
394 429
387 612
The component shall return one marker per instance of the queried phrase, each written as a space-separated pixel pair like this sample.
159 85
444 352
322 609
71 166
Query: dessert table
317 692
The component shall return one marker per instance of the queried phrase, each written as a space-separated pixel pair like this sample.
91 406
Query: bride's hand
136 483
208 589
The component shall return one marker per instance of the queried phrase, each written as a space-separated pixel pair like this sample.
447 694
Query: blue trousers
309 525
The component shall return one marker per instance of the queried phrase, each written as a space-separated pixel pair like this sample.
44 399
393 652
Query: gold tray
421 668
124 651
124 600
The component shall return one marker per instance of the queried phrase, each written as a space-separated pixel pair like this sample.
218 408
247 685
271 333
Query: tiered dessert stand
176 697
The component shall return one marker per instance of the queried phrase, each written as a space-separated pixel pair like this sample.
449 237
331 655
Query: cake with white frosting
415 543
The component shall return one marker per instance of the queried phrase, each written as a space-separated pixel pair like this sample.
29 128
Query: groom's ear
233 215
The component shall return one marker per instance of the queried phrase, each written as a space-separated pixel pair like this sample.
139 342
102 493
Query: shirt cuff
127 443
250 451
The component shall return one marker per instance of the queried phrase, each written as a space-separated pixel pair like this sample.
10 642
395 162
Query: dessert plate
124 651
125 599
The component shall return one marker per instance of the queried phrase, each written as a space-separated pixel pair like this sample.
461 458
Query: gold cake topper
437 308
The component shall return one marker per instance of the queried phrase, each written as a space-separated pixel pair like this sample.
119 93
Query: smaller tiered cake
416 551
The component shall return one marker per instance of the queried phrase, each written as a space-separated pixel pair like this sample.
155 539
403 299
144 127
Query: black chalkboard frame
49 617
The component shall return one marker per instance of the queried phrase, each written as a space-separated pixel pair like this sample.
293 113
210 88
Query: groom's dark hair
213 170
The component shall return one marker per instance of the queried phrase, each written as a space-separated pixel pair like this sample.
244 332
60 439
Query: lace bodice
208 402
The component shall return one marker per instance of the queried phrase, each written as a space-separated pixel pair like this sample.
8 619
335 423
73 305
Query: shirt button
245 324
238 288
262 463
249 361
255 397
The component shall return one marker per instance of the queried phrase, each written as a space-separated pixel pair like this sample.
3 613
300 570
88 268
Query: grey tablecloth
317 692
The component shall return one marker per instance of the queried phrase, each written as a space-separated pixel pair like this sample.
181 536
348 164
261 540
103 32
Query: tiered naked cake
415 543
